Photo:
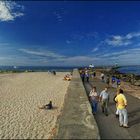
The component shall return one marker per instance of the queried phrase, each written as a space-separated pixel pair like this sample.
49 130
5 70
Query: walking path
109 125
76 120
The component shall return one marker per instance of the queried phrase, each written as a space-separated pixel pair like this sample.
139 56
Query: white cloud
9 10
130 56
132 35
42 53
92 35
76 60
4 58
59 15
110 55
95 49
4 44
118 41
77 36
68 41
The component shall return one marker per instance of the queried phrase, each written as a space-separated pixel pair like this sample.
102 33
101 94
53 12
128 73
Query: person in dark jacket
47 106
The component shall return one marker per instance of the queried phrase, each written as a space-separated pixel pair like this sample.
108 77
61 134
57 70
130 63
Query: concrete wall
76 120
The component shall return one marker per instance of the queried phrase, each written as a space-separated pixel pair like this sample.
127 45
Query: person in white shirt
87 75
104 98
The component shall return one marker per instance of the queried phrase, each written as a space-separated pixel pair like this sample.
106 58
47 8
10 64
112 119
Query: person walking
87 75
117 110
94 98
122 103
107 80
102 77
113 79
104 99
83 76
118 82
94 74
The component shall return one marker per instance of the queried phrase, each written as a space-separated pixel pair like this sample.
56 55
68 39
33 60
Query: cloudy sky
68 33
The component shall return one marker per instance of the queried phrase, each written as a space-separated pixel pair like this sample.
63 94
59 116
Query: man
102 77
118 82
104 98
113 79
107 80
83 76
94 73
122 103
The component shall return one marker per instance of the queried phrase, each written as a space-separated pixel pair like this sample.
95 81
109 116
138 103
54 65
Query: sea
36 68
130 69
124 69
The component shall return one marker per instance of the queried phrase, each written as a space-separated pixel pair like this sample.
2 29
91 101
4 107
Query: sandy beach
20 96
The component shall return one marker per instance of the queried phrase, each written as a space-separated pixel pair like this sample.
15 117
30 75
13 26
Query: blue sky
69 33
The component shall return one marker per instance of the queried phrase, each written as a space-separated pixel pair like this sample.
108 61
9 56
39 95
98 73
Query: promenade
109 125
77 121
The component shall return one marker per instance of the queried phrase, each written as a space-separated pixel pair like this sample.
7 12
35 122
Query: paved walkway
76 120
109 125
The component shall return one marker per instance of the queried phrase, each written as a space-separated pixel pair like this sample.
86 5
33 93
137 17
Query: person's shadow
136 115
134 122
54 108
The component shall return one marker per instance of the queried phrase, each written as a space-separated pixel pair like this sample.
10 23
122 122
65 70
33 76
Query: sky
69 33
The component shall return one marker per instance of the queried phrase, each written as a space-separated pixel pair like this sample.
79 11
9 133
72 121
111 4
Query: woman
94 98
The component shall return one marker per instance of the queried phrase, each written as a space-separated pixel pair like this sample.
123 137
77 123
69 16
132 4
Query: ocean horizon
135 69
37 68
130 69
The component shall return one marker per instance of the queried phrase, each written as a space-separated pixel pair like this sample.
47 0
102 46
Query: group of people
68 77
86 74
114 80
52 72
103 98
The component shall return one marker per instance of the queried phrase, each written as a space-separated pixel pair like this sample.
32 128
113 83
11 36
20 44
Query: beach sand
20 96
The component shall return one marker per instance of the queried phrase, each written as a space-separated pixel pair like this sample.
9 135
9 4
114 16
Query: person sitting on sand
47 106
67 77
